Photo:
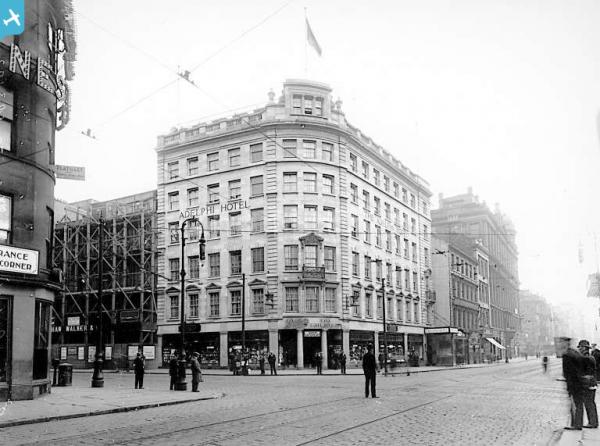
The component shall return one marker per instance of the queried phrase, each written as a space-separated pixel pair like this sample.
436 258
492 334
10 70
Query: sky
500 96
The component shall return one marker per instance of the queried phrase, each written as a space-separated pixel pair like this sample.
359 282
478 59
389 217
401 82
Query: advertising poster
107 353
63 353
148 351
132 351
91 353
81 353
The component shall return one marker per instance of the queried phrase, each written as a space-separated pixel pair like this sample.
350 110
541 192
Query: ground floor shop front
296 343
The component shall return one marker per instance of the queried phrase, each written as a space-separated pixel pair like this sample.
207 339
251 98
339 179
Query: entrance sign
18 260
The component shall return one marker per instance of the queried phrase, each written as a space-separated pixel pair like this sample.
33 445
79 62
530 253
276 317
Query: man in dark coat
319 363
138 367
271 359
261 363
196 372
343 363
369 365
572 363
596 355
173 371
589 384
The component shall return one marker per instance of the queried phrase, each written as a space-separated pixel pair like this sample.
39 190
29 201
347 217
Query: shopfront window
41 339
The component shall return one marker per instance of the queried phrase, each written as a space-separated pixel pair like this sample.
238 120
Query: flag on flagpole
312 40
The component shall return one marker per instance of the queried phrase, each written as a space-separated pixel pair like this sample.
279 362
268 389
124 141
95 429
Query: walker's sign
211 209
18 260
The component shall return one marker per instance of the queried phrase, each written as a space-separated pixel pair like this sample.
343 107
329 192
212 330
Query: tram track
376 420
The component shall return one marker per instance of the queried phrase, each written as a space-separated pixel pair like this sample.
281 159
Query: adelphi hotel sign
215 208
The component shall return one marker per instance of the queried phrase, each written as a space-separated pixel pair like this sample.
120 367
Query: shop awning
496 343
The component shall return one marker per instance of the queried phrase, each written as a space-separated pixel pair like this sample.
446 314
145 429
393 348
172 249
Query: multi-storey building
460 275
465 215
128 297
537 331
310 225
33 105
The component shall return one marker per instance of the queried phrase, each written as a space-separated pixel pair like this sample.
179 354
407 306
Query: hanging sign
69 172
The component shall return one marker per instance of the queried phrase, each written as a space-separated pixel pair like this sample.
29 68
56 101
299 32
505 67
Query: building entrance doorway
312 345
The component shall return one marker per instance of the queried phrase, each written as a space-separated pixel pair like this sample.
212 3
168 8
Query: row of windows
386 210
464 290
291 261
383 181
234 191
311 302
291 148
308 299
401 277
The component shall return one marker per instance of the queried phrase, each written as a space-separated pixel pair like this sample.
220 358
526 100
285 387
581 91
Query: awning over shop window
496 343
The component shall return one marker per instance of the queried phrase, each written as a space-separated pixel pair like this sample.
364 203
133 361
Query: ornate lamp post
383 298
98 376
181 384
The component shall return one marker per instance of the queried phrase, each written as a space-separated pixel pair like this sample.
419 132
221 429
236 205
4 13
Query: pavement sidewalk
81 400
587 437
402 370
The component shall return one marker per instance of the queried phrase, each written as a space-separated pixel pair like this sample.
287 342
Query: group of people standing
581 370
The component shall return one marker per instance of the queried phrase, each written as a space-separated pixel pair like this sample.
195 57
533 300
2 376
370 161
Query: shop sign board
437 330
324 324
296 323
18 260
312 334
73 320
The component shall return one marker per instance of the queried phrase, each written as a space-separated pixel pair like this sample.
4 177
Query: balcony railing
313 272
430 295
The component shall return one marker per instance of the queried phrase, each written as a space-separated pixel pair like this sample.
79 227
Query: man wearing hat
588 380
196 372
572 363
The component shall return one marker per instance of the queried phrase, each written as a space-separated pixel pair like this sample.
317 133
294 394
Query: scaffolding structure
129 278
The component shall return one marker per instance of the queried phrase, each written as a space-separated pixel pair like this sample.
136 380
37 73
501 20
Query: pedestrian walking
343 363
261 363
271 359
138 368
319 363
596 355
589 384
173 371
196 372
545 363
572 363
370 370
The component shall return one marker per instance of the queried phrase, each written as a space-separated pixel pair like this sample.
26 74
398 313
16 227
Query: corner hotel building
312 216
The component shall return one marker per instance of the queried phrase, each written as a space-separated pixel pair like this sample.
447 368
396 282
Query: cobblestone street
501 404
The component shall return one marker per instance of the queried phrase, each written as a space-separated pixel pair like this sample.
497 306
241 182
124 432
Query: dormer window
307 105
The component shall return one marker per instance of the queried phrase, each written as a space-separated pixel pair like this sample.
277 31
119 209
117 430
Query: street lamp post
385 344
181 384
244 356
98 376
383 297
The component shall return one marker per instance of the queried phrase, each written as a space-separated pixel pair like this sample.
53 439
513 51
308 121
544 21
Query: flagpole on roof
305 45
